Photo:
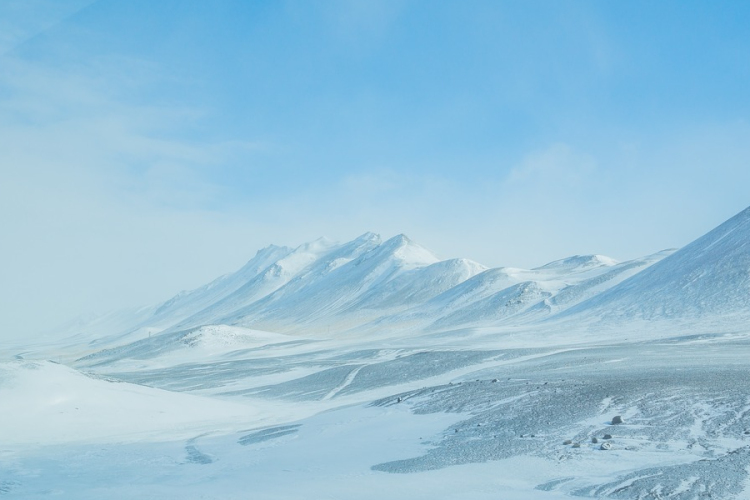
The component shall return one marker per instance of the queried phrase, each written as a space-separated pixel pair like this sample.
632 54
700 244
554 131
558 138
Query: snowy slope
419 285
290 268
47 403
185 304
514 296
202 344
323 296
708 277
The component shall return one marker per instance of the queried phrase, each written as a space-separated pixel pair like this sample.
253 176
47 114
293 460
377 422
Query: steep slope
328 293
291 268
185 304
708 277
419 285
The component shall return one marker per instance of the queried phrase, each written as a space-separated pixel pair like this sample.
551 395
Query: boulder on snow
606 446
607 436
616 420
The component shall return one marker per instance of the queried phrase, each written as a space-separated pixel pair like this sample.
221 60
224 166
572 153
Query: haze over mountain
367 285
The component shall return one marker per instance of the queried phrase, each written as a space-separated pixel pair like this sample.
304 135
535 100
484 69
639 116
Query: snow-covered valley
373 369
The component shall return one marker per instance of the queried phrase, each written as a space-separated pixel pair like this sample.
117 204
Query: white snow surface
46 403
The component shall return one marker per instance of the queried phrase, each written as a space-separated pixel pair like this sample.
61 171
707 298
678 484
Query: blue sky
147 147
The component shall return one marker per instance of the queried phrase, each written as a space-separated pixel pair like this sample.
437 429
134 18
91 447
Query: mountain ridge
369 284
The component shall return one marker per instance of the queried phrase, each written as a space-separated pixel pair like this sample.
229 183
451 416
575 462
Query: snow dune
47 403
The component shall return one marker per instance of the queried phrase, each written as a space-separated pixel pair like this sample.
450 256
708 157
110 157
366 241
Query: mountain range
370 284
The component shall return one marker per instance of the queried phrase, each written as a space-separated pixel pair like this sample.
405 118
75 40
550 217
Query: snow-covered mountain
368 285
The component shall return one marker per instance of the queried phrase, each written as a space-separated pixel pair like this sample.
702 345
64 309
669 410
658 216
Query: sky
149 147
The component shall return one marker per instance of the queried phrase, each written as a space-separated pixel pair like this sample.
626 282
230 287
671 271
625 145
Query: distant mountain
368 285
708 277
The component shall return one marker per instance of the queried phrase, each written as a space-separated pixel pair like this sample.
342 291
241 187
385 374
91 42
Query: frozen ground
428 420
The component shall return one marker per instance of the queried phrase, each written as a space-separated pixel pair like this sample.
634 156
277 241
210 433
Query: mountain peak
368 237
397 241
409 252
321 244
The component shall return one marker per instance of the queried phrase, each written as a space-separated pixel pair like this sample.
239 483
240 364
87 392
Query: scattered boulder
747 431
568 441
494 380
594 440
606 446
607 436
576 445
616 420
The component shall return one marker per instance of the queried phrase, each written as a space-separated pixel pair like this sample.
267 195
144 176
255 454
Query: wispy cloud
557 165
21 20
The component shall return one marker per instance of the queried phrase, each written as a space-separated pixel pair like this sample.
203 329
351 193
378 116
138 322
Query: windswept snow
46 403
